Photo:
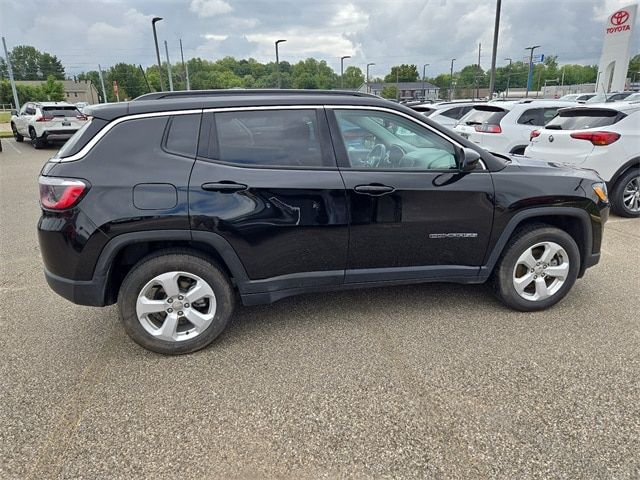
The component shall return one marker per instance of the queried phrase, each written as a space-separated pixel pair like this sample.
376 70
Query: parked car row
601 136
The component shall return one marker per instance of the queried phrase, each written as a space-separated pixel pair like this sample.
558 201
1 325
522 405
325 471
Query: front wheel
625 197
175 303
537 268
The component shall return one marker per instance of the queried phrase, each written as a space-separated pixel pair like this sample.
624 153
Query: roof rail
247 91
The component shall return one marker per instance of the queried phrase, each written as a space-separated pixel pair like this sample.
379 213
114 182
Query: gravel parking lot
427 381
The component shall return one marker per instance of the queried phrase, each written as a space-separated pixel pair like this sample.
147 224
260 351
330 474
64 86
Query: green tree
53 89
130 80
634 68
353 77
31 64
389 91
405 73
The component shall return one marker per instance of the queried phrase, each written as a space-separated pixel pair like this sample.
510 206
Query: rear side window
60 111
182 135
482 115
537 116
81 137
269 138
584 118
454 113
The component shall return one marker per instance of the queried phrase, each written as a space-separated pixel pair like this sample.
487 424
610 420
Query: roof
627 107
234 98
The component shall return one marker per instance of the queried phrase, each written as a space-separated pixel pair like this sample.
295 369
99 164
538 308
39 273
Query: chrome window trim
107 128
92 143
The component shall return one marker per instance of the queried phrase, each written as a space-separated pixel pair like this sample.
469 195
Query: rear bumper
82 292
59 133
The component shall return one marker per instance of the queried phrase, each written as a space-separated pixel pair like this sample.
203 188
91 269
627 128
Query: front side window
382 140
269 138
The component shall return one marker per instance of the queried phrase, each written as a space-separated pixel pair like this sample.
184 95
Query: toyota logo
620 17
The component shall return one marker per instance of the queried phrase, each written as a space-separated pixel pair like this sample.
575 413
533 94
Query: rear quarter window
584 118
181 137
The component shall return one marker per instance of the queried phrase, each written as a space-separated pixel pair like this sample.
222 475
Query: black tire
502 280
168 261
37 142
19 138
617 194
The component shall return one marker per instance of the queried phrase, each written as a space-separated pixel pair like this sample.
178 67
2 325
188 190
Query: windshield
584 118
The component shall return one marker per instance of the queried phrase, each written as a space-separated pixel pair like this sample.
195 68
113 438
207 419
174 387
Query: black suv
174 204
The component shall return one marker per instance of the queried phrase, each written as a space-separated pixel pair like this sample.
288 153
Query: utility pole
11 80
451 80
278 63
508 76
494 51
478 74
184 67
155 39
144 75
342 59
104 90
424 74
398 84
369 65
530 75
166 49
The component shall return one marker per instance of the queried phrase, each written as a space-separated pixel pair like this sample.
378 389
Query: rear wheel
175 303
16 135
537 268
625 197
37 142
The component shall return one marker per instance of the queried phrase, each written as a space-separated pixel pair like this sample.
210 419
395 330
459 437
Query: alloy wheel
631 195
541 271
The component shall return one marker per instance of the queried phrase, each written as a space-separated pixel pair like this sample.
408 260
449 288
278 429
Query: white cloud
212 36
210 8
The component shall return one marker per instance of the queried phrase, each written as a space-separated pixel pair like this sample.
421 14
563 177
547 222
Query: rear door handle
224 187
374 189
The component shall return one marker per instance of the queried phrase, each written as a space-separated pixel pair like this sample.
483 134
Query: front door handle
374 189
224 187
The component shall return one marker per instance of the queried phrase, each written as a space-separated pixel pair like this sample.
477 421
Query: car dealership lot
414 381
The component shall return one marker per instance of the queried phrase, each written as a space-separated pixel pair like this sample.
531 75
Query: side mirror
470 159
14 112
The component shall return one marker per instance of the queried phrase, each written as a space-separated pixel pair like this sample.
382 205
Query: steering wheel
377 154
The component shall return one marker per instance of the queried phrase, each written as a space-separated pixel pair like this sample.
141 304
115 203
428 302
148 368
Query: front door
266 180
413 212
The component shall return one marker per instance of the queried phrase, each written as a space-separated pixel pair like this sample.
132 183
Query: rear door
266 180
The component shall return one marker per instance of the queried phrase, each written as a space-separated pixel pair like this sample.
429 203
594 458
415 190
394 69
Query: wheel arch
121 253
634 162
576 222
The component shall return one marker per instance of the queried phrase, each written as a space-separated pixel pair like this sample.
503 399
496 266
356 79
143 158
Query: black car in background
176 204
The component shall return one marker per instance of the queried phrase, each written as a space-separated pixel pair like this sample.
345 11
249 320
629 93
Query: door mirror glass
470 159
14 112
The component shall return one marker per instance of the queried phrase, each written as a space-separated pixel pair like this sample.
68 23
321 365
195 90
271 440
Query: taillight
81 117
534 134
60 193
44 119
488 128
597 138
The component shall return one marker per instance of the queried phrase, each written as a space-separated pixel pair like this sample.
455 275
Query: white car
505 127
44 121
446 114
577 97
604 138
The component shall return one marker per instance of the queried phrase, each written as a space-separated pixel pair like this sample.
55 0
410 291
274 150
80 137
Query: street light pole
369 65
494 52
184 67
424 74
508 76
451 81
166 49
342 59
155 39
530 75
278 63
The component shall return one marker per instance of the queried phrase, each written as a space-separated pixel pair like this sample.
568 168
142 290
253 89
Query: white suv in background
605 138
44 121
446 114
505 127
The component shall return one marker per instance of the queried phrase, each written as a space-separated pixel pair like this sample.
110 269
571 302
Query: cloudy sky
84 33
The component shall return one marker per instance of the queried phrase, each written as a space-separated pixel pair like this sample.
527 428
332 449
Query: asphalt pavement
426 381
